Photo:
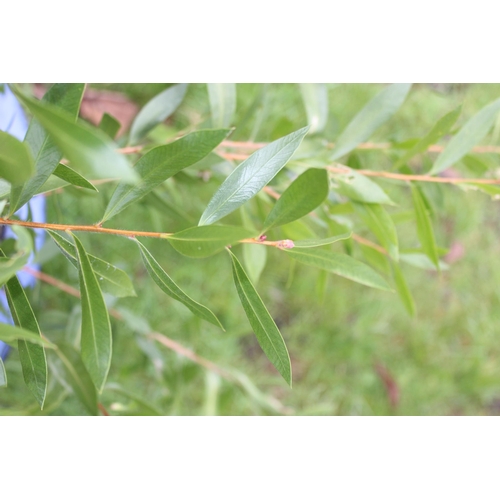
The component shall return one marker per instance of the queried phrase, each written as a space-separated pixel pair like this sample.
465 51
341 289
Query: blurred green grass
444 361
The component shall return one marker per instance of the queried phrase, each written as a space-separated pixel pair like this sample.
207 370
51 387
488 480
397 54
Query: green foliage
306 229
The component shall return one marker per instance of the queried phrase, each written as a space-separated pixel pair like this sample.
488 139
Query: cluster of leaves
321 203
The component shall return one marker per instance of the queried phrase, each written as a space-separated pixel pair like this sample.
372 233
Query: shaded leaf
359 188
370 118
263 325
403 290
10 334
441 128
86 147
161 163
112 279
469 135
32 356
222 97
380 223
250 176
16 162
145 408
167 285
71 177
66 96
78 377
3 375
315 98
255 257
96 342
321 241
157 110
303 195
109 125
424 227
340 264
203 241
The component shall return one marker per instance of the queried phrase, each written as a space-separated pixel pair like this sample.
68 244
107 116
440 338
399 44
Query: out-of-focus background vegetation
354 350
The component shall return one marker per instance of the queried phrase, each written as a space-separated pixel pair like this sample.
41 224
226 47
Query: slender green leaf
421 260
340 264
303 195
112 280
321 241
16 162
78 377
9 334
157 110
3 375
203 241
441 128
96 329
255 257
145 409
380 223
315 97
424 227
222 98
86 147
66 96
9 266
163 280
109 125
161 163
250 176
263 325
32 356
469 135
71 177
359 188
403 290
370 118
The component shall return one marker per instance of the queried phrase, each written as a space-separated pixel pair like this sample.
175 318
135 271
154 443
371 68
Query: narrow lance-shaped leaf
96 329
340 264
359 188
250 176
370 118
222 98
424 227
321 241
3 375
167 285
441 128
86 147
468 136
68 97
109 125
315 97
71 177
78 377
161 163
255 257
9 266
112 280
32 356
263 325
403 290
380 223
303 195
16 162
157 110
205 241
10 334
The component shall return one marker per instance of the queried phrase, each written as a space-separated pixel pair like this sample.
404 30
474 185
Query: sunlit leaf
263 325
112 279
469 135
203 241
10 334
370 118
359 188
340 264
250 176
72 177
157 110
167 285
255 257
161 163
303 195
3 375
96 329
320 241
315 97
16 162
222 98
